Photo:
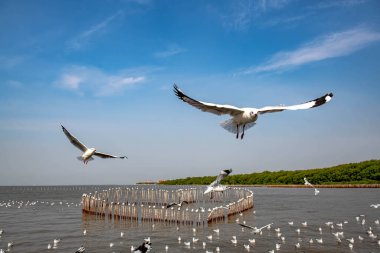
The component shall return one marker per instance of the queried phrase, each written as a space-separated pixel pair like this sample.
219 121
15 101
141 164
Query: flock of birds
298 235
242 119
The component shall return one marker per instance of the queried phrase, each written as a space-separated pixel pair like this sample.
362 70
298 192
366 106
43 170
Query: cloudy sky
105 70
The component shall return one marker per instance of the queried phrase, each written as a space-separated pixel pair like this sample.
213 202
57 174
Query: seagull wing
306 181
246 226
208 107
265 226
171 204
307 105
222 174
102 155
74 140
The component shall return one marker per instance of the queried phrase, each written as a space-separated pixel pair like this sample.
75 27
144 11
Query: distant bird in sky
244 118
316 192
255 229
177 204
88 152
215 186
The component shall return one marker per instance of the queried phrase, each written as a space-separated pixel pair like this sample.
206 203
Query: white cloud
337 3
83 80
329 46
171 50
84 37
243 12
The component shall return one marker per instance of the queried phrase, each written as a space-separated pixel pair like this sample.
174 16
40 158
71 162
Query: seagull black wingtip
178 92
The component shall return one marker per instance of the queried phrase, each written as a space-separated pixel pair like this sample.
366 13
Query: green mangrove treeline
367 172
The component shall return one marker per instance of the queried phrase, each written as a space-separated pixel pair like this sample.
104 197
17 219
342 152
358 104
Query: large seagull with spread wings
244 118
87 152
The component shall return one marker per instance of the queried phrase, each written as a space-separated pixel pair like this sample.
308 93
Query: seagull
316 192
216 186
255 229
144 247
244 118
80 250
177 204
88 152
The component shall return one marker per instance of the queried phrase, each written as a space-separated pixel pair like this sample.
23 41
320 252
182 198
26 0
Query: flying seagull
316 192
244 118
87 152
255 229
177 204
216 186
80 250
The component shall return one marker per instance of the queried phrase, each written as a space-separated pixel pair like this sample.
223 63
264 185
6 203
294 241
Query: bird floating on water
244 118
216 186
88 152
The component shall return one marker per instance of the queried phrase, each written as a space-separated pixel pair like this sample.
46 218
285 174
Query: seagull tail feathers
230 126
80 158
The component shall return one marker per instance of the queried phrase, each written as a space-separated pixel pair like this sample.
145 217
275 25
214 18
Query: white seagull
216 186
88 152
255 229
177 204
316 192
244 118
80 250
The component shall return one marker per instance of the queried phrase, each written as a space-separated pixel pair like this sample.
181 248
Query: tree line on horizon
367 172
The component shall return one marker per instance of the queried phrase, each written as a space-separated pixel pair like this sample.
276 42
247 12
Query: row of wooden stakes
146 204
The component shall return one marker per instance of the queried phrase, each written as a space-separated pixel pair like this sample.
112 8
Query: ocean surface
32 217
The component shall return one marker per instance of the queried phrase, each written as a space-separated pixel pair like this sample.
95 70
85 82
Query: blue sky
105 70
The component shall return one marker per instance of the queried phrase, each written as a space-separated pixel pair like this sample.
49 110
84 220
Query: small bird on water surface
88 152
244 118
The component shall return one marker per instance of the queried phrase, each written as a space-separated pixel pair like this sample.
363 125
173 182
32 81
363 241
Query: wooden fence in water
150 204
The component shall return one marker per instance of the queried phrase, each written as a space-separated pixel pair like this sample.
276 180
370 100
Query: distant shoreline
292 185
316 186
